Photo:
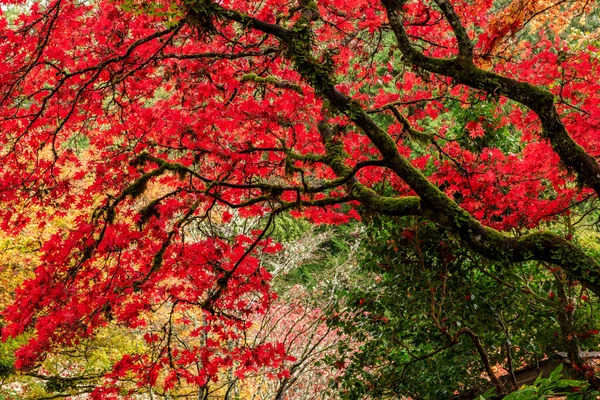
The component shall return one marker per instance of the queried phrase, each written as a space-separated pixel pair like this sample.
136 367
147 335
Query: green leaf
556 374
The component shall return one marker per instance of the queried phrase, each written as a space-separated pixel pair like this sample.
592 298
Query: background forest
300 199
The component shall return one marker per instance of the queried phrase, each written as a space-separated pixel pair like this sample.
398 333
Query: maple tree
325 109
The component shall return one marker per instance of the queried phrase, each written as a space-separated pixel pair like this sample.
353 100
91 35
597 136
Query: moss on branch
271 80
432 203
539 100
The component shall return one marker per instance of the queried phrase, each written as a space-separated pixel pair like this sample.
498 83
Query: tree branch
465 46
434 204
539 100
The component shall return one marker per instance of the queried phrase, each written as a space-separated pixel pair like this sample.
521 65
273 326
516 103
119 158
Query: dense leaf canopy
145 127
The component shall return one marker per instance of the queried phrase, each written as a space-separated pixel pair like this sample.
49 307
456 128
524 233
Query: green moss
270 80
138 187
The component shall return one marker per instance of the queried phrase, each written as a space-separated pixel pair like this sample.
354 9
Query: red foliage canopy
152 118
